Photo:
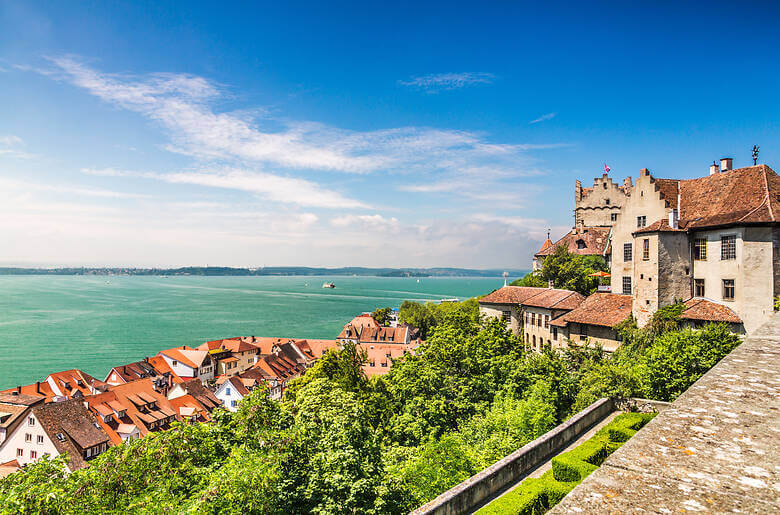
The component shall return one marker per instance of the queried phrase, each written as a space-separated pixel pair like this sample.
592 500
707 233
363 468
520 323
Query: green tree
382 315
567 271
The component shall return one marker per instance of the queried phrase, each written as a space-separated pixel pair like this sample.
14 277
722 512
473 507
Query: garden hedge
537 495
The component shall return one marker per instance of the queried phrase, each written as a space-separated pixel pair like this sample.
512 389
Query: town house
55 428
189 363
527 311
715 238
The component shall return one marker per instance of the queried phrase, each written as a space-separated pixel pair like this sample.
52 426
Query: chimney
726 164
674 221
714 168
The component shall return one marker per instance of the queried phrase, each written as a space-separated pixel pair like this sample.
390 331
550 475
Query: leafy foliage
382 315
429 315
567 271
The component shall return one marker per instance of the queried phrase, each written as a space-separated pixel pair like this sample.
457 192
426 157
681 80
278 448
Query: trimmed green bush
537 495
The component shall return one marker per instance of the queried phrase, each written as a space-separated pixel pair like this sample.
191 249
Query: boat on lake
328 285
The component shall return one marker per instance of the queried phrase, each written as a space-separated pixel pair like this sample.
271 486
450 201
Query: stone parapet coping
716 449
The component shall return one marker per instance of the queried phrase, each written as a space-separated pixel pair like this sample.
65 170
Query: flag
606 168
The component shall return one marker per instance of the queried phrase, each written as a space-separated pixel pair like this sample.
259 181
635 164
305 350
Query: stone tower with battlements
599 206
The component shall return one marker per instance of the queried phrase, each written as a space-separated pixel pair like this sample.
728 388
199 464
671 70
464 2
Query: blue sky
411 134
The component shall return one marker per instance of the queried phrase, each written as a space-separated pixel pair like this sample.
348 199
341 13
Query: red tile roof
39 389
511 295
661 225
75 383
742 196
550 298
704 309
546 245
76 425
190 357
593 241
602 309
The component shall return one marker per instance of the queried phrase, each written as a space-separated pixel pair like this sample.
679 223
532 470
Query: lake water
49 324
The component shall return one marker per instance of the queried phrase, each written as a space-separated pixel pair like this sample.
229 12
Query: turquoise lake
54 323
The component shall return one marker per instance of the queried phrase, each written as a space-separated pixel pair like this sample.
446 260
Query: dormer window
581 244
606 201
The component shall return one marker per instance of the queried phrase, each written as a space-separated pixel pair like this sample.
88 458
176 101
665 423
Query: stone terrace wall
494 479
717 448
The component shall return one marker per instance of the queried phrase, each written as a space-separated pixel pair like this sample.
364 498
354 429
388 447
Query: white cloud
273 187
6 183
544 117
10 147
371 221
448 81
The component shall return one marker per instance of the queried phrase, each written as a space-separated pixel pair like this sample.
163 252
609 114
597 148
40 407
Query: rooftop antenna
755 155
506 274
548 233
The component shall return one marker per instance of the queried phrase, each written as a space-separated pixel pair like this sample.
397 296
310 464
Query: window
581 244
646 249
506 317
19 453
33 455
227 391
534 340
728 289
533 318
546 321
31 421
728 247
384 364
641 221
28 437
606 201
698 287
233 403
700 249
174 363
555 333
40 439
627 252
613 217
584 330
626 286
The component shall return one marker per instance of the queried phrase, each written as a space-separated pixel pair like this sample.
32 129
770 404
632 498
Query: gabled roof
190 357
187 406
9 467
699 308
75 383
602 309
76 426
239 344
202 394
661 225
511 295
135 400
38 389
744 195
546 245
550 298
593 240
19 399
239 386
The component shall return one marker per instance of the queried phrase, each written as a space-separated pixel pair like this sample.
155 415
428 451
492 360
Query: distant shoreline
280 271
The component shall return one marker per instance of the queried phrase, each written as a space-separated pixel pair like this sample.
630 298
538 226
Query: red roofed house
593 320
56 428
74 384
197 391
232 355
131 410
527 311
232 390
715 238
155 368
189 363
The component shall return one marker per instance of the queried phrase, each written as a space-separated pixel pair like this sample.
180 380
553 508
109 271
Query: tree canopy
567 271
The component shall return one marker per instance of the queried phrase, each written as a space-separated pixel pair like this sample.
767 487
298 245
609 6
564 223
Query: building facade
714 238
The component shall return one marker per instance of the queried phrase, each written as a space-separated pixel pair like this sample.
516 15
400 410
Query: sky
357 133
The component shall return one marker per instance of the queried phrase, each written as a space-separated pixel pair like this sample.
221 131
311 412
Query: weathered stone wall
594 207
538 334
645 278
593 335
497 311
643 201
674 267
753 271
715 449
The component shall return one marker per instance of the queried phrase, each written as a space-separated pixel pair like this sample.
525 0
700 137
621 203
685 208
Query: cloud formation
544 117
448 81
